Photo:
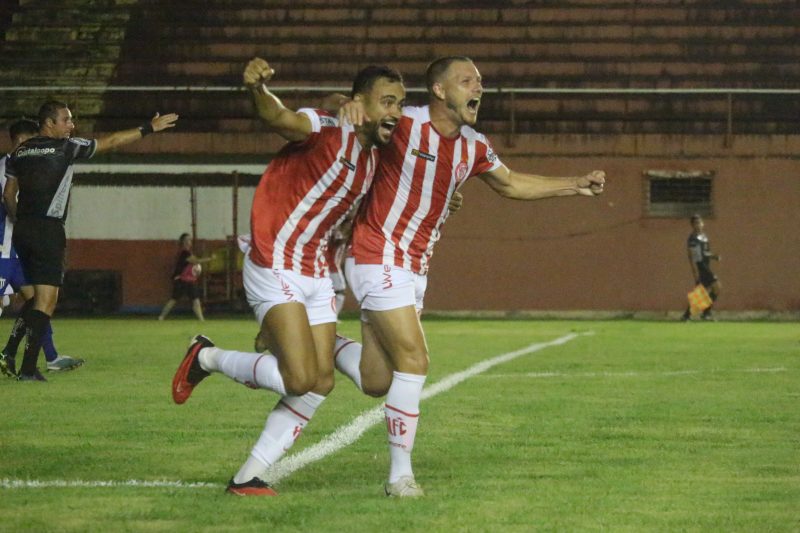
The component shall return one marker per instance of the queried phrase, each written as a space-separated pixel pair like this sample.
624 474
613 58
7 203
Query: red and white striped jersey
305 192
399 221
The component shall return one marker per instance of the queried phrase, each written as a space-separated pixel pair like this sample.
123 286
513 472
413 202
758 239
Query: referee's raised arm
121 138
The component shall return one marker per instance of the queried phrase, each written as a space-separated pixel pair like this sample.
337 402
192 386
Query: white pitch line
60 483
342 437
351 432
634 374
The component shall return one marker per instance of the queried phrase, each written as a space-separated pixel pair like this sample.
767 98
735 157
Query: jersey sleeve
80 148
486 159
319 119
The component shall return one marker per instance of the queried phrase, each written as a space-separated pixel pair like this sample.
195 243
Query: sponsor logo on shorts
423 155
387 277
347 163
285 287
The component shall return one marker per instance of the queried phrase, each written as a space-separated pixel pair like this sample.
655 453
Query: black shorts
707 278
41 244
184 288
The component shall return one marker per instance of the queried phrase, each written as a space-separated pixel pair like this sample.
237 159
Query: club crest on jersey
347 163
423 155
461 172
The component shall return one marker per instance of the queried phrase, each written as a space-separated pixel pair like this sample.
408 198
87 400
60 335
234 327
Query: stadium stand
617 44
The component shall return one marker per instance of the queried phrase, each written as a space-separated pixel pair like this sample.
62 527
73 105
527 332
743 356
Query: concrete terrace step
547 33
713 13
383 4
551 51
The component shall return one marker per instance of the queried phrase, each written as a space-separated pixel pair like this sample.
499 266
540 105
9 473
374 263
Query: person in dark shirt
13 280
39 179
184 278
700 257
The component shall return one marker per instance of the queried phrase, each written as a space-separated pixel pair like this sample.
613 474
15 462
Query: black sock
18 331
36 326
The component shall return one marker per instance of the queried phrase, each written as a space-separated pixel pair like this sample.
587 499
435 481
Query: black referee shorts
707 278
41 244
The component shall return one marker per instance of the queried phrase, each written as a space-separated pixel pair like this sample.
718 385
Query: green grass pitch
639 426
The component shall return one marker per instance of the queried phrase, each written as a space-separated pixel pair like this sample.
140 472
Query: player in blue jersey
12 279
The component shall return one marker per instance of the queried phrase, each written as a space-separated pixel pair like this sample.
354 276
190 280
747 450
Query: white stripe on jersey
401 198
424 206
58 206
436 233
301 210
8 226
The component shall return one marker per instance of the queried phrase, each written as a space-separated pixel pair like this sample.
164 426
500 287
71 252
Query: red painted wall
581 253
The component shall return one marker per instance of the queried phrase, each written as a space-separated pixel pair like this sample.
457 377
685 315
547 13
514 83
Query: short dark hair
50 109
695 217
438 67
23 126
367 76
183 236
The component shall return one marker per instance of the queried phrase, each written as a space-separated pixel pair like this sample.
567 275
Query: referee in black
39 179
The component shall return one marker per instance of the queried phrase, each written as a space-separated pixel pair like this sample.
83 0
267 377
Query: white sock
402 415
347 358
283 427
256 370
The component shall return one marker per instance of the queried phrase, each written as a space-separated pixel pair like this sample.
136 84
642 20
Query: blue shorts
11 276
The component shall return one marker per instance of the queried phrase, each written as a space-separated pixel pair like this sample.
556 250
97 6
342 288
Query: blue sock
50 352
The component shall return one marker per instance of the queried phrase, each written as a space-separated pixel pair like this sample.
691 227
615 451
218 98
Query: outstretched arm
519 186
121 138
289 124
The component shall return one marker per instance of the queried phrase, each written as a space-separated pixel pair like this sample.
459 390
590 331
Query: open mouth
388 125
473 104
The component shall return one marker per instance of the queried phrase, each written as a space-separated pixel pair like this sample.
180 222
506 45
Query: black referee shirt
42 167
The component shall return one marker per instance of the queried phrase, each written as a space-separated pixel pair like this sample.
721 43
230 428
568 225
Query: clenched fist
256 73
592 184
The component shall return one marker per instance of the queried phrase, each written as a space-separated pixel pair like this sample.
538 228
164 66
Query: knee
325 382
414 363
297 385
300 379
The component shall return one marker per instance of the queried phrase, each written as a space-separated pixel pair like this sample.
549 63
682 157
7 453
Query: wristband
146 129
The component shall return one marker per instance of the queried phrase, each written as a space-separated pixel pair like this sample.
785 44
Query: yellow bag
699 299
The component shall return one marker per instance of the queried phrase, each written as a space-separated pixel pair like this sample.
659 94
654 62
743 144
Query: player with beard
305 192
434 152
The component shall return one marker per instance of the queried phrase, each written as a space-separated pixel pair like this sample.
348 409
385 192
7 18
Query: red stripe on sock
399 411
254 369
342 347
297 414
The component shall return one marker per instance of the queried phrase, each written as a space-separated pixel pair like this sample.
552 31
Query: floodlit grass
640 426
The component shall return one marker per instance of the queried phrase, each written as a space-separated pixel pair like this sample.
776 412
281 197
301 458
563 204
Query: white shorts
267 287
385 287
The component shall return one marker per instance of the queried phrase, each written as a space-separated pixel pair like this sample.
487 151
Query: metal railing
727 92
